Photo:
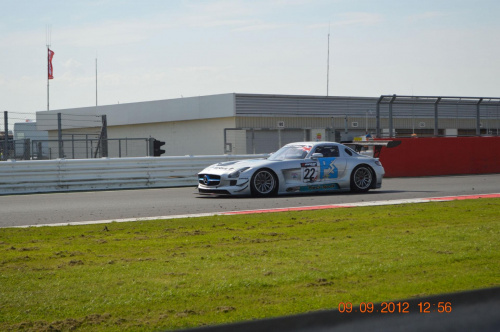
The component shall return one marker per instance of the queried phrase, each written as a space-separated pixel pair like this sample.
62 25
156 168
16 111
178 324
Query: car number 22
310 174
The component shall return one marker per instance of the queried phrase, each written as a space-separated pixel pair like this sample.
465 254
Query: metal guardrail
18 177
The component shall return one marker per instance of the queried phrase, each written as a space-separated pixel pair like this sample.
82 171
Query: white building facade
236 123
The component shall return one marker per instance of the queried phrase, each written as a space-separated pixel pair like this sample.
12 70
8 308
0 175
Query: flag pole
328 63
96 81
47 40
48 65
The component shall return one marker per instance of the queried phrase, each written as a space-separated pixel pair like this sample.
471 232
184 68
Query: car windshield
291 152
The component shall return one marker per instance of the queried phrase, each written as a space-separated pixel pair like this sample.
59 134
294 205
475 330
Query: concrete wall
181 109
197 137
442 156
188 126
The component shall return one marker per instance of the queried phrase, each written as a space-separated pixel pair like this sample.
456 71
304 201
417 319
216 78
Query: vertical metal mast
96 81
328 63
47 41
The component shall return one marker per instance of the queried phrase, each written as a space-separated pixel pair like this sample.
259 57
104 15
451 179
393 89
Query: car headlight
236 174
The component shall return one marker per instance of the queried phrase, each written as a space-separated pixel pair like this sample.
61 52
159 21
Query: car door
332 166
300 171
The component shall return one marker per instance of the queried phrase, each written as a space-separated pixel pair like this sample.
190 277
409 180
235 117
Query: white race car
302 167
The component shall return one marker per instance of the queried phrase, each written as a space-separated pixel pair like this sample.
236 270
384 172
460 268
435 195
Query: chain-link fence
67 136
75 148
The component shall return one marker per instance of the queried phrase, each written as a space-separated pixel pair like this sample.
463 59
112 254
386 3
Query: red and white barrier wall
442 156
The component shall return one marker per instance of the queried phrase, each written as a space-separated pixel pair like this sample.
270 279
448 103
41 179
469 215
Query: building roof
264 105
180 109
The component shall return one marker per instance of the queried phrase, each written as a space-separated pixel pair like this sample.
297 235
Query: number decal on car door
310 172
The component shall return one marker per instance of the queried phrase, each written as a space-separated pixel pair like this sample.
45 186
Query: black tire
362 179
264 183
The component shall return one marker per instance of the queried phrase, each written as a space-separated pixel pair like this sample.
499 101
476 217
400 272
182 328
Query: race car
302 167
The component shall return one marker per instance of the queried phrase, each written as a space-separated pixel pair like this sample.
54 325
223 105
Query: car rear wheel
361 179
264 183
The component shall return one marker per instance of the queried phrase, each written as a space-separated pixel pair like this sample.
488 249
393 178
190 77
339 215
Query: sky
163 49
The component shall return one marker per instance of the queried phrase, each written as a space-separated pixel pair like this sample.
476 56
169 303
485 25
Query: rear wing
371 148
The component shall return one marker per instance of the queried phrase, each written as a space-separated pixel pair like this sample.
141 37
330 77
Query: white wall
181 109
196 137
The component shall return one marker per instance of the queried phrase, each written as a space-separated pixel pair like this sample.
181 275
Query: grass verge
180 273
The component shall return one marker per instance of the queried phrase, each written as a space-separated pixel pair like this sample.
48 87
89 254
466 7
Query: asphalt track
61 208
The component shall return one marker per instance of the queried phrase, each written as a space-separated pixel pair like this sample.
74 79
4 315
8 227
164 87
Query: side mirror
316 155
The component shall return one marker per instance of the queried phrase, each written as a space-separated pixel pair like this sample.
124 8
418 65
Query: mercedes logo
205 180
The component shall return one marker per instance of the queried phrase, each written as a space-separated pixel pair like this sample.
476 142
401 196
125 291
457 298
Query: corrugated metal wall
287 121
305 106
265 111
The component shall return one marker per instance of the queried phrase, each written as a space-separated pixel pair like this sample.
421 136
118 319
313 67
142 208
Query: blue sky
152 49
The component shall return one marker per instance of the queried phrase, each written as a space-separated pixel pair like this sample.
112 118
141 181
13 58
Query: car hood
231 166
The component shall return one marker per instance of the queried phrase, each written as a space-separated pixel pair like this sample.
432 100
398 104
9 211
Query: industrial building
237 123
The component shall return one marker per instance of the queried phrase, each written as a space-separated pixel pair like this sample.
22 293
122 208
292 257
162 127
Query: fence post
436 118
72 146
104 137
151 142
39 150
59 136
377 125
391 120
5 154
27 147
478 117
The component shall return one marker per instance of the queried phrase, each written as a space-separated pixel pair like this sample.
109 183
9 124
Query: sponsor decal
328 170
329 186
310 164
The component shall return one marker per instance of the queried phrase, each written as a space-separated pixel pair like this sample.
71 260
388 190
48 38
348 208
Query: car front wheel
361 179
264 183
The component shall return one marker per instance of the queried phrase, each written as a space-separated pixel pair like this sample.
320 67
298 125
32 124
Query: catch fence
77 137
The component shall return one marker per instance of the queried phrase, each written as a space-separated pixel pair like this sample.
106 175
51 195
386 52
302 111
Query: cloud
222 8
262 27
197 69
426 16
358 18
71 63
352 19
108 33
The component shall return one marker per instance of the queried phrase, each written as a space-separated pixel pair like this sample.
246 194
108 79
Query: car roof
314 143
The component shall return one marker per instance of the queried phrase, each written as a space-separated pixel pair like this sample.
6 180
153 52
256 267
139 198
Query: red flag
50 56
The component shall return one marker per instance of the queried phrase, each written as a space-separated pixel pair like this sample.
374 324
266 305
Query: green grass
170 274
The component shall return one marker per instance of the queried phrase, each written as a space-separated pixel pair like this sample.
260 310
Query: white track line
301 208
